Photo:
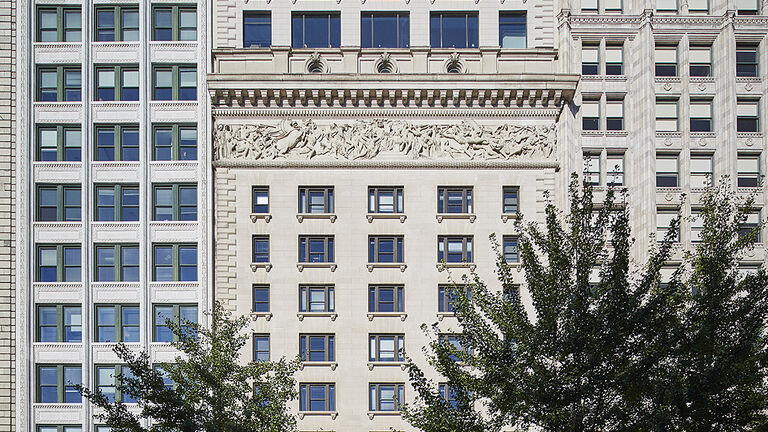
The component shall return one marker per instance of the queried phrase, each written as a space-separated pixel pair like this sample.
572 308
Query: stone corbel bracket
256 216
267 267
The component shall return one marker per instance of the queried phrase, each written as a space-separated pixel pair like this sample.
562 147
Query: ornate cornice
390 164
409 112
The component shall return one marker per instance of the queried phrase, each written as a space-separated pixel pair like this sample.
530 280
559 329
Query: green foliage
628 353
213 389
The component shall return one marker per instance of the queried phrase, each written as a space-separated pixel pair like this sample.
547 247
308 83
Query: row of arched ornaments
381 139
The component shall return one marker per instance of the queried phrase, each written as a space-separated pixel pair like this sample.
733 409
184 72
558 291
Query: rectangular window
59 143
746 61
56 383
58 203
59 323
747 7
174 262
751 225
385 30
317 347
448 394
317 199
117 323
260 249
174 23
66 428
748 116
592 169
117 142
59 24
174 202
316 298
613 6
510 200
385 199
117 263
317 397
453 30
700 59
748 167
590 115
385 298
512 30
59 84
387 397
117 202
701 171
109 379
615 170
454 199
316 30
666 115
58 263
261 199
117 83
666 61
257 29
385 249
666 5
386 348
181 315
701 115
316 249
614 114
510 249
177 83
667 171
174 142
447 295
261 347
117 23
261 298
590 6
697 226
698 6
590 60
614 60
455 341
663 220
454 249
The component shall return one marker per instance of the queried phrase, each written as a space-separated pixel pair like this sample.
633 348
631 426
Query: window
747 7
701 116
383 249
454 199
666 61
181 315
174 83
510 249
316 298
58 203
701 171
750 225
455 341
117 23
614 114
698 6
748 167
456 249
448 394
117 263
613 6
385 298
117 143
453 30
510 200
386 348
614 60
117 83
385 30
109 379
59 24
746 61
700 59
56 383
667 171
59 143
315 30
663 220
260 249
174 202
59 84
385 199
590 60
590 6
697 225
316 249
666 5
615 170
447 295
58 263
117 202
117 323
512 30
592 168
261 199
747 116
59 323
174 262
590 115
386 397
666 115
317 347
316 199
257 29
261 298
317 397
260 347
174 23
174 142
77 428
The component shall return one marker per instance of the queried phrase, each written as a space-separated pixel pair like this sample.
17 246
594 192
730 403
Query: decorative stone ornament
454 64
317 64
386 64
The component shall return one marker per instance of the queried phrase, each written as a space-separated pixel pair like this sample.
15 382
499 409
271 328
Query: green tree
212 389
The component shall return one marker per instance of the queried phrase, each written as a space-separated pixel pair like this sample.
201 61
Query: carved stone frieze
382 139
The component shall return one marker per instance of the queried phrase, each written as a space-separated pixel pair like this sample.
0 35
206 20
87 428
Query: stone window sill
331 315
372 216
443 266
332 365
442 315
330 216
401 315
400 364
256 216
372 414
302 266
469 216
265 266
507 216
256 315
372 266
331 414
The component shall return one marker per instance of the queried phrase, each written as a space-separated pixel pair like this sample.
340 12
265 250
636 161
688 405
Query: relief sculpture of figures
379 138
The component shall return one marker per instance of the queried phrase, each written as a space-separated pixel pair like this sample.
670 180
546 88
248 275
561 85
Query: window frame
443 202
61 326
374 396
707 123
401 42
256 351
703 66
512 239
119 265
374 248
329 347
754 177
507 14
375 194
668 174
375 349
610 65
117 376
334 19
61 142
254 199
467 31
754 120
590 68
305 202
119 326
676 103
675 212
118 207
176 148
374 298
466 252
696 174
263 256
305 249
118 144
61 86
176 205
119 28
590 122
61 22
61 428
176 28
61 203
754 66
118 80
254 302
258 14
510 190
61 384
176 266
176 87
612 173
61 266
660 68
611 121
305 298
305 397
175 317
445 304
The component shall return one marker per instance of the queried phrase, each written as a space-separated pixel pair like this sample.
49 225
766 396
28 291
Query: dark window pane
257 29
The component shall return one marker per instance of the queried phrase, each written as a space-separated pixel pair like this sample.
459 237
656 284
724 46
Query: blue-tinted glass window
385 30
257 29
512 30
261 298
316 298
130 144
385 298
261 347
453 30
260 249
261 200
317 348
316 30
317 397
